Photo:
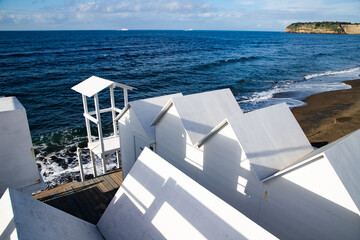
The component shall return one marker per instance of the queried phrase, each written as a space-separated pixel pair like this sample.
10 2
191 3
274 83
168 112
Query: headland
324 28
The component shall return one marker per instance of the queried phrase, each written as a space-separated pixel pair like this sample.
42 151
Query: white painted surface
271 138
127 129
201 112
345 159
157 201
23 217
147 109
327 185
103 148
135 122
311 202
342 159
18 169
92 86
111 144
171 141
308 203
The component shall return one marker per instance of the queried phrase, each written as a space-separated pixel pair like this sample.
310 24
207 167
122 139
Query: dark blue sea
261 69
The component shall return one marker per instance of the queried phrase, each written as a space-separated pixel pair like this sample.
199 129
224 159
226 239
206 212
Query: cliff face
324 28
351 28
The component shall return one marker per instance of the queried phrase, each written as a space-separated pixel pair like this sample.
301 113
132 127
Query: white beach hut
101 147
18 169
184 121
236 159
23 217
157 201
323 188
134 128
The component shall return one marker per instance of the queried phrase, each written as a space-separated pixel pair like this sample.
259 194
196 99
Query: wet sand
331 115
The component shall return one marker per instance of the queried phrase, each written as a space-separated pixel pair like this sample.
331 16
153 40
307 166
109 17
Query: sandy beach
331 115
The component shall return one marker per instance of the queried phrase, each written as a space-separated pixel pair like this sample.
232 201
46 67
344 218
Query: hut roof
23 217
156 201
201 112
94 85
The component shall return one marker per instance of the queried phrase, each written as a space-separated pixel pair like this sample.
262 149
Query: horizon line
120 30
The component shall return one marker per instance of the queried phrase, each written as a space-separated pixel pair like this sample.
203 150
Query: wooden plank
104 190
86 200
73 207
65 206
111 182
117 177
96 198
107 185
53 201
78 207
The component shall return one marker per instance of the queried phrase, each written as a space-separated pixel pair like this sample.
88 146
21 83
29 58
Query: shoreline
329 116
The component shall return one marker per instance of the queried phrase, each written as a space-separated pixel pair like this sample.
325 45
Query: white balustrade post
80 164
101 137
87 122
112 99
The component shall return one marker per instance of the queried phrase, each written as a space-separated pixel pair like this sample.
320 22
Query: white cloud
175 14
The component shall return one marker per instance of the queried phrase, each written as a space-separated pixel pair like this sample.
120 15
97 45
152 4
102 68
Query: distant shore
324 28
331 115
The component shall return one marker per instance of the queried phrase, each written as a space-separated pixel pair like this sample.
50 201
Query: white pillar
93 163
87 122
112 99
125 97
80 164
101 138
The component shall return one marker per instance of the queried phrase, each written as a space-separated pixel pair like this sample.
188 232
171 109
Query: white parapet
18 169
158 201
23 217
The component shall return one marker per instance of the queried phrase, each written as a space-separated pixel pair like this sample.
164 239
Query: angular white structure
199 113
157 201
336 166
101 147
237 157
184 122
135 131
23 217
271 139
18 169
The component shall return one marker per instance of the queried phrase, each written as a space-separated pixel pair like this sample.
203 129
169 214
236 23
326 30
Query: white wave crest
329 73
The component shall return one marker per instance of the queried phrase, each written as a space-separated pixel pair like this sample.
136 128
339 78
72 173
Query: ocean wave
329 73
59 168
224 61
57 159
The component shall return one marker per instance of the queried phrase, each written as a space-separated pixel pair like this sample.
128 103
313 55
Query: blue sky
256 15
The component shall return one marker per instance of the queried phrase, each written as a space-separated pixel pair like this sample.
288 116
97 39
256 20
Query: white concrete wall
17 162
233 180
311 202
308 203
129 126
271 138
23 217
171 140
157 201
348 168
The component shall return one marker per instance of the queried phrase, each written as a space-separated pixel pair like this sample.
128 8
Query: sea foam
329 73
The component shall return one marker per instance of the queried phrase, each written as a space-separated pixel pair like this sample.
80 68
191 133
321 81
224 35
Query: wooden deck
86 200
